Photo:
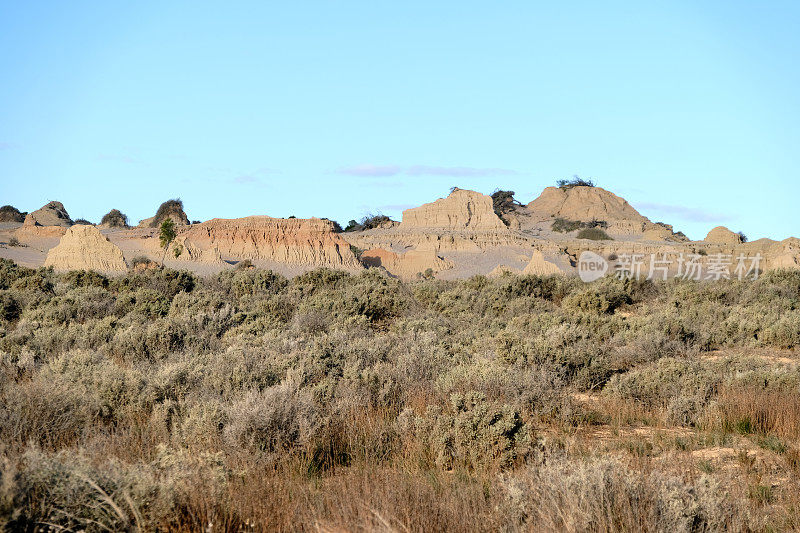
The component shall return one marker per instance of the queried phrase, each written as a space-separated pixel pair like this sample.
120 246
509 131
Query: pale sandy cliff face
295 241
461 210
464 221
85 248
722 235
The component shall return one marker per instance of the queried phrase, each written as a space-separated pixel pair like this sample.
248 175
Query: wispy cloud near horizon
385 171
254 177
692 214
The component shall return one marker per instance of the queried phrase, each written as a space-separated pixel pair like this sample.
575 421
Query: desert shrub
311 322
562 225
246 264
787 280
277 419
606 495
82 222
9 213
108 387
503 202
10 308
574 182
170 209
367 222
14 242
595 234
84 278
115 219
257 281
166 281
471 433
11 272
146 302
33 287
71 492
142 261
78 304
783 332
684 388
332 386
371 296
320 278
45 410
602 297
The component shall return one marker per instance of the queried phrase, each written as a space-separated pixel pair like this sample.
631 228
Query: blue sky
690 110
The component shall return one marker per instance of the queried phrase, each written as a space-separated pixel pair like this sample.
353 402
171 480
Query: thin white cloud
372 171
254 177
384 171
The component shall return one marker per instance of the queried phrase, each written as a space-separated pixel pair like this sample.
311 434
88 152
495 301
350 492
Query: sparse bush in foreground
160 400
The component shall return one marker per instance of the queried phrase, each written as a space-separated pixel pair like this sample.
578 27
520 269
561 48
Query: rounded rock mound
52 214
722 235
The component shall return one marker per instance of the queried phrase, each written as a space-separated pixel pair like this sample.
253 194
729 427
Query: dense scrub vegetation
115 219
170 209
247 401
563 225
576 181
9 213
368 222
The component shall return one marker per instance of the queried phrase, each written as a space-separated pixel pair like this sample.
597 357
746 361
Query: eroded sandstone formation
722 235
294 241
85 248
407 265
31 229
465 221
583 203
461 210
503 270
540 266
